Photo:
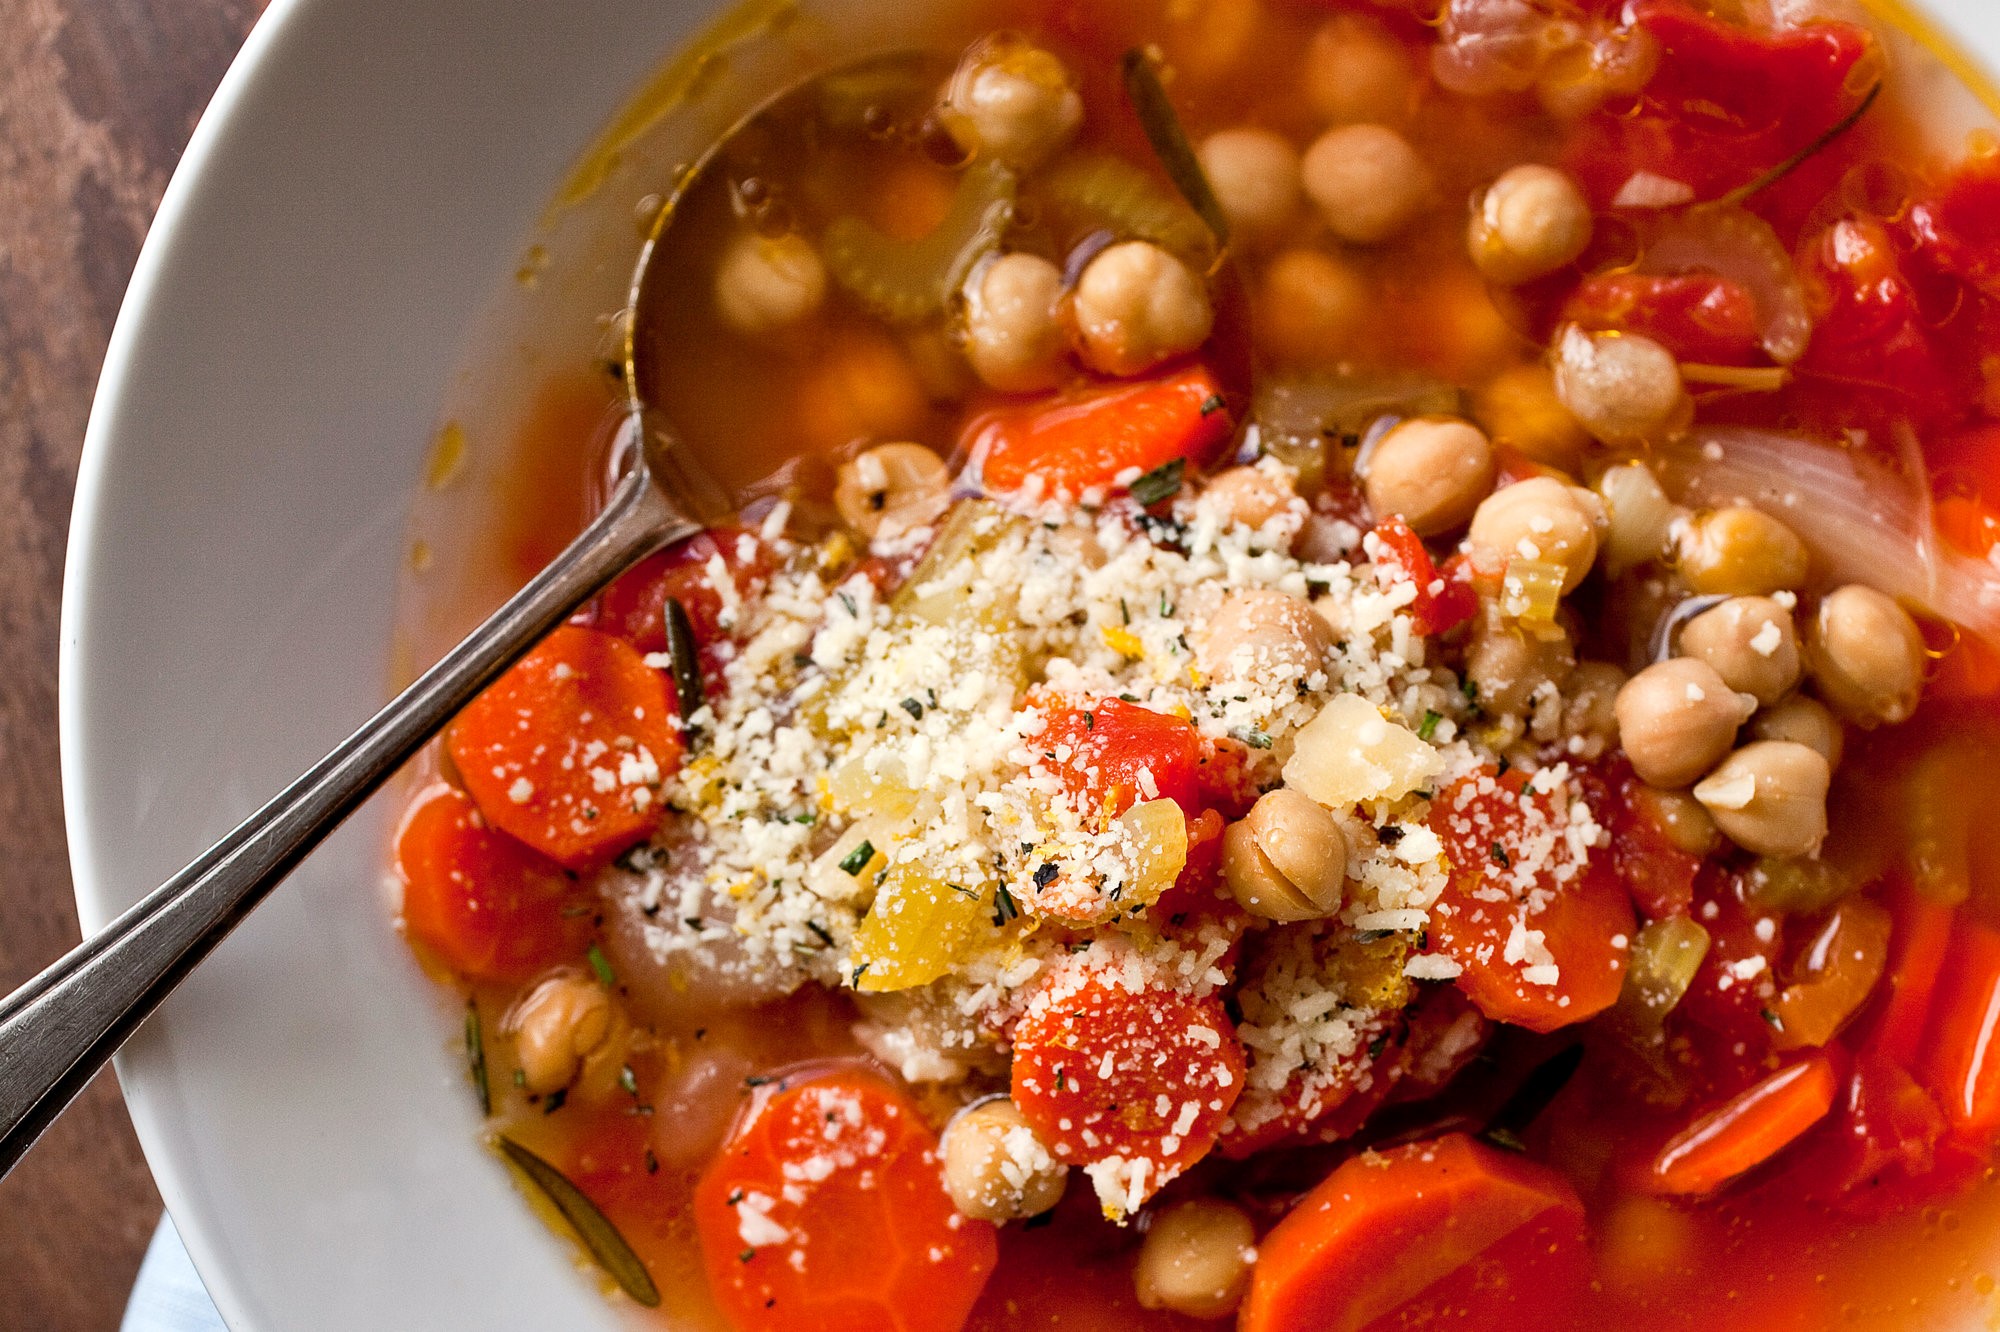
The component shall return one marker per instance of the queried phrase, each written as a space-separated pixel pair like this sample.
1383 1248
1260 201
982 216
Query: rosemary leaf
599 1236
475 1055
1797 159
1163 130
686 659
1163 482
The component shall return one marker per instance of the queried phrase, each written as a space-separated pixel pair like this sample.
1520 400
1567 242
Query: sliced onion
1647 189
1742 247
1491 46
1864 521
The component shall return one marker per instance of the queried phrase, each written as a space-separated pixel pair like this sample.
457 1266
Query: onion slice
1865 521
1740 246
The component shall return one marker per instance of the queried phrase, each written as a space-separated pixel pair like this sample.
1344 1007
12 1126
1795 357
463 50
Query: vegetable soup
1350 690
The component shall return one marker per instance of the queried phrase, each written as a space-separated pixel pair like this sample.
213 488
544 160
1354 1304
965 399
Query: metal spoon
58 1029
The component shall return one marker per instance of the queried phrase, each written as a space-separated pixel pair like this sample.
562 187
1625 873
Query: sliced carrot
1090 440
568 749
1918 943
1108 1067
826 1209
1540 938
485 905
1746 1130
1446 1224
1961 1065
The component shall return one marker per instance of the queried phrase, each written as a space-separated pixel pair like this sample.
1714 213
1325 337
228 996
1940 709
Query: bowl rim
101 444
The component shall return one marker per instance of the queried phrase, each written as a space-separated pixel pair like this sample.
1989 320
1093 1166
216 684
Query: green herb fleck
1254 739
1429 726
819 931
601 966
475 1056
1498 854
1163 482
1212 404
557 1099
1005 908
857 860
628 1080
914 707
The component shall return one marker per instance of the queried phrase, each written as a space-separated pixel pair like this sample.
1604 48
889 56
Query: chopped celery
1665 956
1090 192
907 282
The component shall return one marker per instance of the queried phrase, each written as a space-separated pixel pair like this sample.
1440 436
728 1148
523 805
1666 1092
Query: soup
1349 691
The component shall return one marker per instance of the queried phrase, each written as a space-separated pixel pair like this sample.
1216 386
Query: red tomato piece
1734 989
1107 1067
488 907
1957 230
1112 754
1659 875
1541 939
634 606
1699 317
1729 101
1961 1065
568 749
1088 440
827 1209
1746 1130
1869 326
1885 1130
1446 599
1389 1238
1919 944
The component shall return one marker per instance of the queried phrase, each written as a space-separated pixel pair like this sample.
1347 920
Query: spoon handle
58 1029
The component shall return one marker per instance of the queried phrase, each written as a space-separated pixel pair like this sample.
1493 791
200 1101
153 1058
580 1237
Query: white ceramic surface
365 180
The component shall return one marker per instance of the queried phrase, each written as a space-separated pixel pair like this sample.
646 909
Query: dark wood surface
97 98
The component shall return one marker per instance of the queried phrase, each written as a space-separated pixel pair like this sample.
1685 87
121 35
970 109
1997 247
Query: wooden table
97 98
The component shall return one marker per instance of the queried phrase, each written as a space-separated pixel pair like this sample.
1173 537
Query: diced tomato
488 907
1541 939
1746 1130
634 606
1728 1007
1919 941
1446 599
1659 875
1961 1065
1885 1130
1699 317
827 1209
1392 1239
1869 325
1728 102
1088 440
568 749
1112 754
1957 229
1103 1069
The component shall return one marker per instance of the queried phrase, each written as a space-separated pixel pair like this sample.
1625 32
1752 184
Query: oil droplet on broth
420 556
447 458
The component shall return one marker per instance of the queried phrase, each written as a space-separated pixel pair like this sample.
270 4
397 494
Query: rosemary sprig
475 1055
1170 142
1531 1098
686 658
1792 163
599 1236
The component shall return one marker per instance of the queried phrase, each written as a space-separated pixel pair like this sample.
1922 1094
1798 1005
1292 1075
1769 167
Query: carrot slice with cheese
568 749
1101 438
1448 1223
483 904
827 1209
1131 1079
1746 1130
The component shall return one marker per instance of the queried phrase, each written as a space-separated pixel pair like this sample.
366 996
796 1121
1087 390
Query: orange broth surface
1768 1252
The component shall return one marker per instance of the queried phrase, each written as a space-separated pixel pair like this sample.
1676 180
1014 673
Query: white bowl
365 181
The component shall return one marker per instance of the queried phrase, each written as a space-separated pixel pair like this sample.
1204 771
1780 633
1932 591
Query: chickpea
1751 644
766 284
1255 176
1508 667
1678 816
1287 859
1251 497
557 1026
1739 552
1433 471
995 1168
1641 516
1368 181
1676 719
1260 633
891 488
1356 70
1590 707
1136 305
1311 307
1013 326
1540 520
1867 656
1196 1258
1519 408
1623 388
1805 720
1529 223
1769 797
1011 100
